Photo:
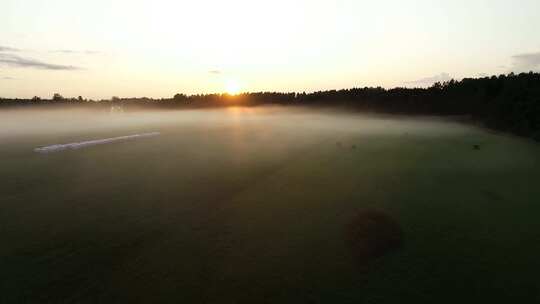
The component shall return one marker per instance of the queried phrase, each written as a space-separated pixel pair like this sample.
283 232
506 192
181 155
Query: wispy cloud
23 62
8 78
215 72
526 62
8 49
7 58
428 81
86 52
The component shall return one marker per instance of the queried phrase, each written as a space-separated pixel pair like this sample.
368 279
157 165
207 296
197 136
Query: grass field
250 206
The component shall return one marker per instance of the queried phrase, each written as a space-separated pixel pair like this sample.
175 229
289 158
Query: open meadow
252 205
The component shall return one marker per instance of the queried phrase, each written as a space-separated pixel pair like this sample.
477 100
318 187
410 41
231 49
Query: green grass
252 207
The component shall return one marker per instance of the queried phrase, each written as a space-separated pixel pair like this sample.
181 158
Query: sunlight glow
232 87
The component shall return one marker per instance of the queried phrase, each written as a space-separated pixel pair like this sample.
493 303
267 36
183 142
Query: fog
21 123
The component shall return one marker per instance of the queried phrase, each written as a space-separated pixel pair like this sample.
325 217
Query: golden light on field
232 87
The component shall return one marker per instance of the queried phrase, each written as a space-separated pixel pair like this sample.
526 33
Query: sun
232 87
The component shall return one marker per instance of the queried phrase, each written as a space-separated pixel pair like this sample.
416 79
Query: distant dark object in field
353 147
476 147
372 234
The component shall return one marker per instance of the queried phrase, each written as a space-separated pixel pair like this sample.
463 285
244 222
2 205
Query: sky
134 48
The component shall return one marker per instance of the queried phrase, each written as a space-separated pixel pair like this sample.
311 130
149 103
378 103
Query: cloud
8 49
215 72
22 62
428 81
526 62
12 60
8 78
87 52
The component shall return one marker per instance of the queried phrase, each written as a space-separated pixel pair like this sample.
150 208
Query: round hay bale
372 234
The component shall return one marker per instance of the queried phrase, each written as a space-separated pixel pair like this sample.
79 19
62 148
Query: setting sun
232 87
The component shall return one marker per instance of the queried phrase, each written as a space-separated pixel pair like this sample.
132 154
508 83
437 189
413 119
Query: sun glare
232 87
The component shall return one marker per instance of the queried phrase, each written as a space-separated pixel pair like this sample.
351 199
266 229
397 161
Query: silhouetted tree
57 97
180 97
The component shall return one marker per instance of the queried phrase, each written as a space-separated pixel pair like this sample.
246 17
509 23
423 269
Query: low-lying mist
19 123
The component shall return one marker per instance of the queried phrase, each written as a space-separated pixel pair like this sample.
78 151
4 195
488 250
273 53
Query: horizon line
223 93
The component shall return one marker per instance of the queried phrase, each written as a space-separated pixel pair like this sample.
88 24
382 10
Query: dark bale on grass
372 234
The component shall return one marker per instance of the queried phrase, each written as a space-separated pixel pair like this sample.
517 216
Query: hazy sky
156 48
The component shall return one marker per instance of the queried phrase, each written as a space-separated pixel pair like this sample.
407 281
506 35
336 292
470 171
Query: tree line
506 102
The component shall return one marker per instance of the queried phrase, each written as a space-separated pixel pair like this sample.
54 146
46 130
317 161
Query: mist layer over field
251 205
19 122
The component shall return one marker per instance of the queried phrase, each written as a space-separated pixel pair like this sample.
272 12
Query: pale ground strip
84 144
